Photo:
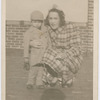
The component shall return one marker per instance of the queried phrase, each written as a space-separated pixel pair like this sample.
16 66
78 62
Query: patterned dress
64 54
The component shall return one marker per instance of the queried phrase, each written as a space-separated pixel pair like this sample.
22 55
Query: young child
35 43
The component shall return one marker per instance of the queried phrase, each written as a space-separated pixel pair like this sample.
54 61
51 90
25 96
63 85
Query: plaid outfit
65 52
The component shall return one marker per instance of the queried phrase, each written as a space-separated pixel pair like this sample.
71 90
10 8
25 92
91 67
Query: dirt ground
16 79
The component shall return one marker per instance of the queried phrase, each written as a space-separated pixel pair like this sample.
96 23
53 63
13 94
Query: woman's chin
54 28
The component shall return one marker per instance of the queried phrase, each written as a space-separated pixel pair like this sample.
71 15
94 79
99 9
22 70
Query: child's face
36 24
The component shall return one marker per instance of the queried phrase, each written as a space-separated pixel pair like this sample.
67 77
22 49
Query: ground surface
17 78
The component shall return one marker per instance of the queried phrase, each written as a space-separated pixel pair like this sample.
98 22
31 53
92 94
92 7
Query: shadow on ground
17 77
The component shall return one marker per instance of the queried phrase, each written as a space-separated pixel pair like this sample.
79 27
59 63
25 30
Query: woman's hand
36 43
60 56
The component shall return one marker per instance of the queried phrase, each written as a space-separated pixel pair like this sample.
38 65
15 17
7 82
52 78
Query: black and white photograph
49 50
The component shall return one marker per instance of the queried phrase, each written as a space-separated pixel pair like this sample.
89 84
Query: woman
63 57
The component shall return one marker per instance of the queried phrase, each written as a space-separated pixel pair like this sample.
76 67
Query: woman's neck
53 29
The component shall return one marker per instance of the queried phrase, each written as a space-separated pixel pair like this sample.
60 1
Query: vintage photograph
49 49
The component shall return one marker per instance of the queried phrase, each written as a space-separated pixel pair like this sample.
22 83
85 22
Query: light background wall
75 10
15 28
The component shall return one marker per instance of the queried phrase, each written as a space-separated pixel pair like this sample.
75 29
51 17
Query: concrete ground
16 79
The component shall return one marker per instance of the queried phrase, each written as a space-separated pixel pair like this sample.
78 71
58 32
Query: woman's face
54 20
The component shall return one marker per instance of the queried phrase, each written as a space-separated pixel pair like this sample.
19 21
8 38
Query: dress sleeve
74 41
26 43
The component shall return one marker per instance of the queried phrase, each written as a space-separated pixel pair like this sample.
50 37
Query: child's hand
26 64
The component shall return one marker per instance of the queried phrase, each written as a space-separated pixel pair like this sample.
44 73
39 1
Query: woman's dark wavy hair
61 16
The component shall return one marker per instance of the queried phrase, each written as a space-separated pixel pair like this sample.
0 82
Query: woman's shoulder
69 25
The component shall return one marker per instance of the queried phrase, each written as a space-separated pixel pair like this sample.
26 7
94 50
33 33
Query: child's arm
26 50
26 45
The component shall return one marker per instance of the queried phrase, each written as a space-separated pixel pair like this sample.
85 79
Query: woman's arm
74 47
74 41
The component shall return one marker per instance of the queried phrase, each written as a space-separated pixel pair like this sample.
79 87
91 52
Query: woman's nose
52 21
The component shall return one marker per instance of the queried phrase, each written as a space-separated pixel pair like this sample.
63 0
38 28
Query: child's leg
32 75
39 77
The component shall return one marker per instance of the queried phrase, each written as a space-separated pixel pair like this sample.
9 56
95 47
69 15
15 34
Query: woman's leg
53 74
51 71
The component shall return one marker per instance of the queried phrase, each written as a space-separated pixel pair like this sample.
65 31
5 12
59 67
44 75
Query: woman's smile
54 26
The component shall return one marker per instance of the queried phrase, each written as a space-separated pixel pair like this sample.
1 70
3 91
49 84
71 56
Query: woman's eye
53 18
